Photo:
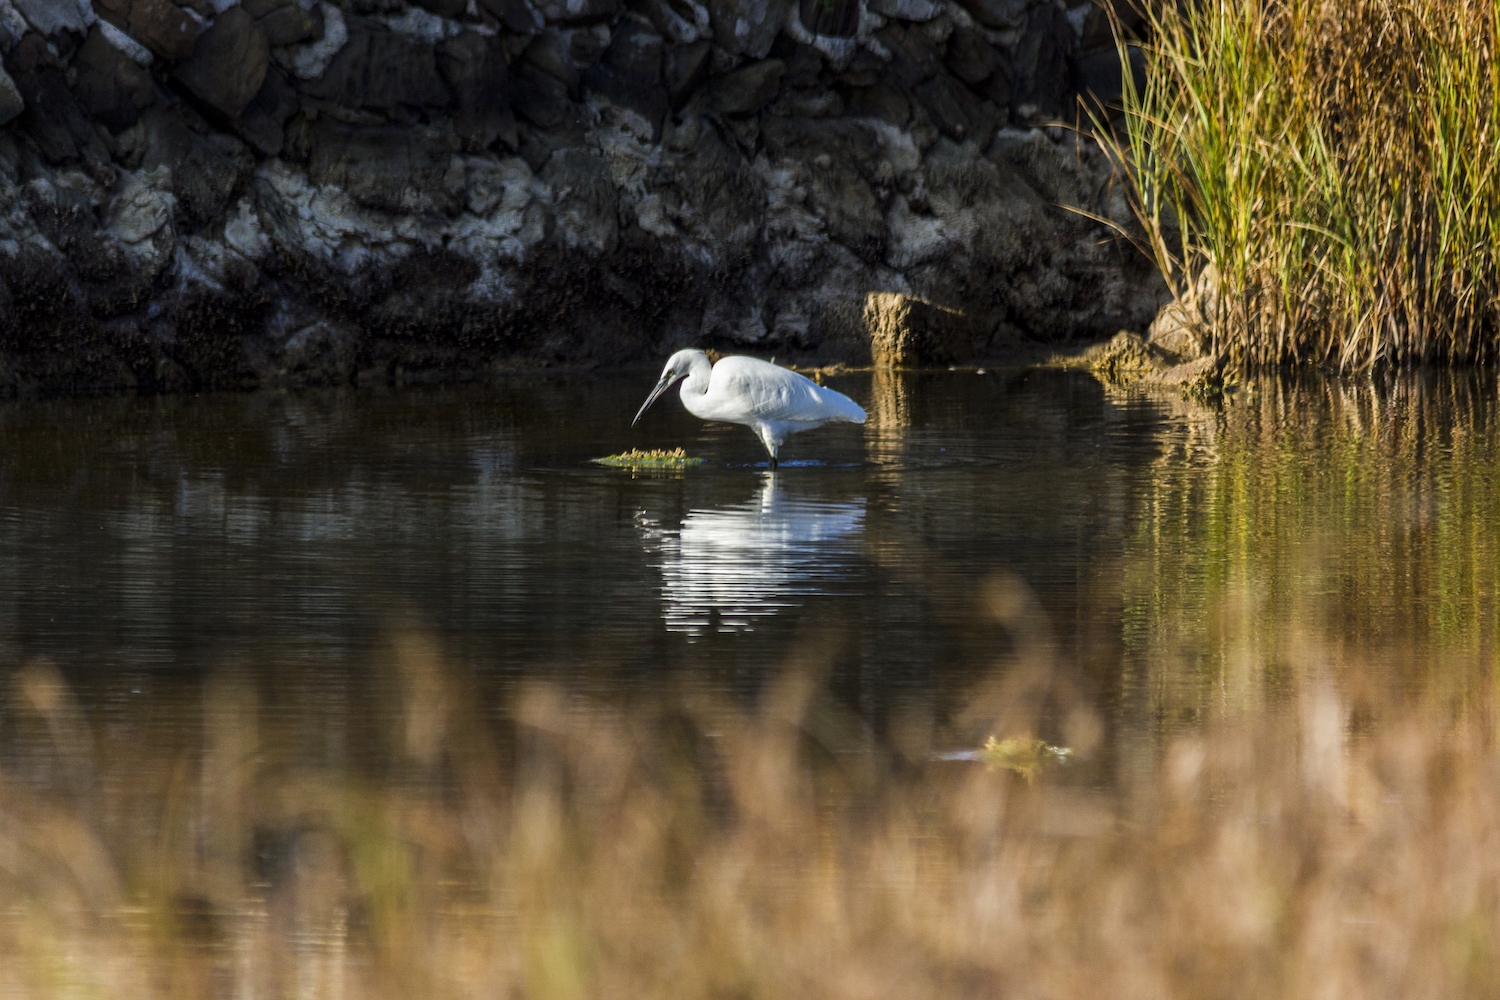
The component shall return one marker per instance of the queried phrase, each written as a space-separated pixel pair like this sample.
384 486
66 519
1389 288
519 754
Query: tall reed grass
1324 173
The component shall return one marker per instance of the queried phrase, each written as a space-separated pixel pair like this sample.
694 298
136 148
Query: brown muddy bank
205 193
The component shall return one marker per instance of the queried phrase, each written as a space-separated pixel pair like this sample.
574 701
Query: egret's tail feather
843 407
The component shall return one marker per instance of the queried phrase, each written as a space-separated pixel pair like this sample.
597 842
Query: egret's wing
771 393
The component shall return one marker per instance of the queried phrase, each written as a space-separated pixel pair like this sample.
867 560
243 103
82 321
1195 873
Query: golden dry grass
1335 836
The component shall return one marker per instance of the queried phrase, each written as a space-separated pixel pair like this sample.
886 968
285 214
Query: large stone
579 11
970 56
391 169
228 65
635 52
629 75
1099 73
52 117
290 24
1181 329
914 57
11 103
263 123
380 69
1040 79
160 25
111 87
830 18
474 68
444 8
548 53
13 28
310 60
51 16
142 207
518 16
995 89
205 170
907 10
684 69
45 101
1001 15
586 45
679 21
954 110
539 97
748 89
1097 27
747 27
882 101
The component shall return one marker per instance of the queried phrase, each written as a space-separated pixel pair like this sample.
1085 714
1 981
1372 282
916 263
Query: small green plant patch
1023 756
677 458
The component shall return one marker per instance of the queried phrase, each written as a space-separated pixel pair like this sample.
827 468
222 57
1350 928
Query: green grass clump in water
1332 166
655 459
1019 754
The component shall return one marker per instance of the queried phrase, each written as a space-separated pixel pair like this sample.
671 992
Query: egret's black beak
661 387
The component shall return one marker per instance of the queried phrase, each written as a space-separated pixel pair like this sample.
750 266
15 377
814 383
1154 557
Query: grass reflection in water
1359 515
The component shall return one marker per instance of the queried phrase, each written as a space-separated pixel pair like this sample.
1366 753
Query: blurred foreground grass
1341 839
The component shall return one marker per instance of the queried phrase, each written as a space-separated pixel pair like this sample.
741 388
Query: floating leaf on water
655 459
1023 755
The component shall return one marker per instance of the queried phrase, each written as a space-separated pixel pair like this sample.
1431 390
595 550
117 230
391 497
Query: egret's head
679 366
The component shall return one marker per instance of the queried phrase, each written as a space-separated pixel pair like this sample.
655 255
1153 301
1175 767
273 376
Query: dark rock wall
219 193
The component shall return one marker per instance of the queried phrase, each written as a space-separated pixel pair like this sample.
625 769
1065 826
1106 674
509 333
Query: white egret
770 400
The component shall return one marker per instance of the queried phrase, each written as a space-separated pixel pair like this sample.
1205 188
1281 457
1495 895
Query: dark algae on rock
207 193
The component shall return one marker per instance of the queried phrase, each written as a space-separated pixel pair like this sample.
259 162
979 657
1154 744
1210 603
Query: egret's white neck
699 370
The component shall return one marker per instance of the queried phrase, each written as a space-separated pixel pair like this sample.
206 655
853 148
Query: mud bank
206 193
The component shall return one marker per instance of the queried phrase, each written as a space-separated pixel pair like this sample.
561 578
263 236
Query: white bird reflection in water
727 567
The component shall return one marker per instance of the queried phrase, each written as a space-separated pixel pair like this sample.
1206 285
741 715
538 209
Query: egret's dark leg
773 463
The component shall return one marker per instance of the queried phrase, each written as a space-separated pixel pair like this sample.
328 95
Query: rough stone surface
578 11
321 193
113 88
908 332
1181 330
11 103
1099 73
228 64
290 24
747 27
160 25
1000 14
381 69
52 16
747 90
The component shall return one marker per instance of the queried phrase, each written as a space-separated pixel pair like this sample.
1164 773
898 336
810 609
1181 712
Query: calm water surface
1175 557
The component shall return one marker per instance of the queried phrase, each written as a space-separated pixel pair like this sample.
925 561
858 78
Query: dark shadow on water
148 541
